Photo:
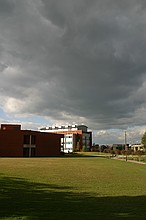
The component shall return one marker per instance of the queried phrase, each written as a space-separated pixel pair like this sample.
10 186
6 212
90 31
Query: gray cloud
80 61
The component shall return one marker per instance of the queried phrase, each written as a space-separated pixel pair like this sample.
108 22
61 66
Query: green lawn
71 188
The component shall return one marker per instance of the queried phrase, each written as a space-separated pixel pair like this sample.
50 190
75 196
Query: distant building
15 142
76 137
137 147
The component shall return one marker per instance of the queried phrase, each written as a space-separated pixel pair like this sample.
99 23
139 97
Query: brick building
15 142
76 137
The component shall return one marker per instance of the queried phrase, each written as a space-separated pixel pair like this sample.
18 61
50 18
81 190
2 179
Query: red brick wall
48 144
11 143
10 127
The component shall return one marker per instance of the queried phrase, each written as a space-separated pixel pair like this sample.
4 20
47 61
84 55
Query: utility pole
126 144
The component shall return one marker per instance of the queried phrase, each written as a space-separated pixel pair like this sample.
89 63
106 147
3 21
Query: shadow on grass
20 199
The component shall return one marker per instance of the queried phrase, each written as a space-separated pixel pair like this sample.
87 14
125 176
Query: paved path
131 161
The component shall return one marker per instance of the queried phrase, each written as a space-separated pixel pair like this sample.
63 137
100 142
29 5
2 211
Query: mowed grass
71 188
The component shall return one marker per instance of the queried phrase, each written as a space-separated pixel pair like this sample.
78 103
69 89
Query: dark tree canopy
143 140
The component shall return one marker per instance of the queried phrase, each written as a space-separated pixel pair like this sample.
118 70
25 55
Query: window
26 139
29 139
68 142
33 139
68 136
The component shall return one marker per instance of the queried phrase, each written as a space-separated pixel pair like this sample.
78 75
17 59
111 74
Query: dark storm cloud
6 6
74 60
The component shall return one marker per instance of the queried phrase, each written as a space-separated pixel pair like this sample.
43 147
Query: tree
143 140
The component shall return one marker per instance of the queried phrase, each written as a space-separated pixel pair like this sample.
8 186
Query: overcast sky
74 61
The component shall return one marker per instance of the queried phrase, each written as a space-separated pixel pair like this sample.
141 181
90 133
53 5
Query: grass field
71 188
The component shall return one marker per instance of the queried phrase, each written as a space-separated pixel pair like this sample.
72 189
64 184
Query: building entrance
28 152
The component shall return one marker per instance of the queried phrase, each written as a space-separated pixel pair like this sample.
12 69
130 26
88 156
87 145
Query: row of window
68 136
66 142
85 138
